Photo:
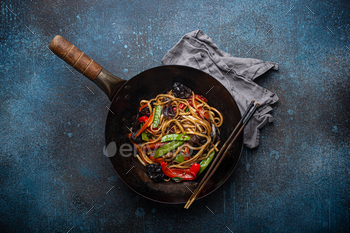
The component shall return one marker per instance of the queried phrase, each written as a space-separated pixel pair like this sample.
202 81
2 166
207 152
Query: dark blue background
54 176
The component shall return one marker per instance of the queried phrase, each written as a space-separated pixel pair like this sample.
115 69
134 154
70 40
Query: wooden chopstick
224 146
211 170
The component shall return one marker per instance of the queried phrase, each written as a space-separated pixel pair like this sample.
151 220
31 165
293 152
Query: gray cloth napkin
197 50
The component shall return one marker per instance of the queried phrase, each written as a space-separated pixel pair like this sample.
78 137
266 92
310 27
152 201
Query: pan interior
147 85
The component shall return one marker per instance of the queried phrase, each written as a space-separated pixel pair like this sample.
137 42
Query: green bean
175 137
167 147
205 162
156 116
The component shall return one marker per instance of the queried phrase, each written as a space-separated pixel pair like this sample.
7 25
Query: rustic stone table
54 176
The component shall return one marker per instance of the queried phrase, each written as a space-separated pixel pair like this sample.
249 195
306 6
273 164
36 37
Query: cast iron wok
126 96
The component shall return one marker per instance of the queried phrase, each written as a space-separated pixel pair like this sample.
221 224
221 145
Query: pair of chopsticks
222 153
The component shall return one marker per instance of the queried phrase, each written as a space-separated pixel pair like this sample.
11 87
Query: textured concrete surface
54 176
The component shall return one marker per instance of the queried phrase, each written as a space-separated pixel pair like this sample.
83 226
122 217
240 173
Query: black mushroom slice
197 140
144 112
165 99
202 140
170 130
137 139
135 124
181 91
168 111
154 171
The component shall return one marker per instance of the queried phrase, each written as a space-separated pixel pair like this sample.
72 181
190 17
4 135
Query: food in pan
176 134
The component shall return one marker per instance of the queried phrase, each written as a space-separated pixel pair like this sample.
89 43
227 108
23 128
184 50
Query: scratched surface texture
54 176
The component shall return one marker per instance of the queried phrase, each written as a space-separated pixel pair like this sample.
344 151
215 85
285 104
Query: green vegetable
179 158
187 110
156 116
145 136
175 137
177 178
167 147
205 162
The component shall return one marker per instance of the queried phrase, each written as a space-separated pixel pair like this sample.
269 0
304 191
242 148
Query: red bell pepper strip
203 114
199 97
143 119
143 107
187 150
190 102
200 111
156 145
183 173
146 125
152 129
181 106
157 160
186 153
195 169
196 97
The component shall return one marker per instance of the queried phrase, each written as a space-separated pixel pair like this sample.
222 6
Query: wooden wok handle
75 57
64 49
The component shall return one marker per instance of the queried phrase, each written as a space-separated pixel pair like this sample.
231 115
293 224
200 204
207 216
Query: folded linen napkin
197 50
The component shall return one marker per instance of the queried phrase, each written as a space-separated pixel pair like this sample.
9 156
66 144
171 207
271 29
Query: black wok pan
126 96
